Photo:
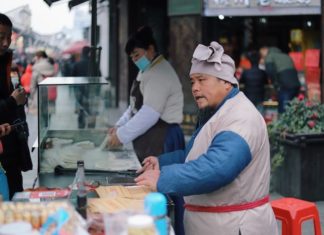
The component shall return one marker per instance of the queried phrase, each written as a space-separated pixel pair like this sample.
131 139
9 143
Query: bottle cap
140 221
155 204
80 163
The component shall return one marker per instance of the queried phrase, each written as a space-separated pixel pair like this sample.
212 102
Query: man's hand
19 95
149 163
113 140
149 178
5 129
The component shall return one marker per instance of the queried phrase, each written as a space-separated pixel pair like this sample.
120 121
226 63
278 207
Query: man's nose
194 86
5 42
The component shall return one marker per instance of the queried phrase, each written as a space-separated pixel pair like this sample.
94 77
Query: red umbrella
75 47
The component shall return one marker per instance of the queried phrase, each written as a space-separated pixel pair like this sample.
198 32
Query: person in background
244 64
25 80
254 80
42 69
281 70
216 173
67 66
16 155
82 67
85 105
152 121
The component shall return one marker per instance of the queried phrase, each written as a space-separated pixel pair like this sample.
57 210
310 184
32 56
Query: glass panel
73 122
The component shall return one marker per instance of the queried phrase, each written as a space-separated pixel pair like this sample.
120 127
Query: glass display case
73 122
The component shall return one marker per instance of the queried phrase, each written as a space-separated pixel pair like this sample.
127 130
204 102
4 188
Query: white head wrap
211 60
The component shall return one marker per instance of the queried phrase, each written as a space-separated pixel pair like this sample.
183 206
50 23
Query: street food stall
74 114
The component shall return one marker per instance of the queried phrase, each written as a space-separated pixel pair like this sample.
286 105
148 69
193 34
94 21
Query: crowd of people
212 179
269 65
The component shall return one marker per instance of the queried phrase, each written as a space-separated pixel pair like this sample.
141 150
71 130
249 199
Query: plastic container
140 225
16 228
155 204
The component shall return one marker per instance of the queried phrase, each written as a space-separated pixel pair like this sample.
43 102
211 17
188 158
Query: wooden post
322 51
93 60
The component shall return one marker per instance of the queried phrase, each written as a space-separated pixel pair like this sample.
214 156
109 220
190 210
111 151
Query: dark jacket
254 80
16 152
81 68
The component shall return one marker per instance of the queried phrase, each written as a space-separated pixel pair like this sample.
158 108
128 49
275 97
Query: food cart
74 114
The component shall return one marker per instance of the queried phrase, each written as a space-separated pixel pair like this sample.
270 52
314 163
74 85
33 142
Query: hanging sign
261 7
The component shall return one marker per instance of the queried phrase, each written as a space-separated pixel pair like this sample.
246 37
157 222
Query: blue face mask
142 63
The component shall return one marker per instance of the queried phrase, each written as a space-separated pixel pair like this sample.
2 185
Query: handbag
22 133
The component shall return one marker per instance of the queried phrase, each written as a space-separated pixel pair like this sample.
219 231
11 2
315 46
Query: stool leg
296 227
285 228
317 225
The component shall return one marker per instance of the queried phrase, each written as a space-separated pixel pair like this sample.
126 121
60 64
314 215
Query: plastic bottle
81 190
155 204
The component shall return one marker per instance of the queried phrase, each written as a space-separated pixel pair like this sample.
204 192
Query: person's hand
5 129
149 178
19 95
113 141
149 163
112 130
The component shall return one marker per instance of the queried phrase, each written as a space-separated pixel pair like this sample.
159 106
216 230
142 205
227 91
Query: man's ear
228 86
151 52
151 48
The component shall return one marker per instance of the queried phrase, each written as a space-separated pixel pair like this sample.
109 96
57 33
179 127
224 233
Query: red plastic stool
292 212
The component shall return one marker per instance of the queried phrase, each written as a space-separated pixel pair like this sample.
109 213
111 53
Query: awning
75 47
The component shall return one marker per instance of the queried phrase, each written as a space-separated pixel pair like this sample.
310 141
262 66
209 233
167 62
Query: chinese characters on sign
260 2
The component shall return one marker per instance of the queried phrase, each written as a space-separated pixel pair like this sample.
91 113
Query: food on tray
132 192
113 205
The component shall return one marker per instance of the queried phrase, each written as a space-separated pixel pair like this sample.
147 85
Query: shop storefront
294 26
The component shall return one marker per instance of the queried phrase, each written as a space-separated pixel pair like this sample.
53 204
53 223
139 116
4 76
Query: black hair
254 57
85 51
4 20
143 38
41 54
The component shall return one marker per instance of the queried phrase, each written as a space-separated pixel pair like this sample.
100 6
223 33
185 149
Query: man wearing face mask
152 119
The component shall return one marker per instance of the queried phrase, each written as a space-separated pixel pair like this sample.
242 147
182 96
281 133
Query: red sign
312 75
298 60
312 58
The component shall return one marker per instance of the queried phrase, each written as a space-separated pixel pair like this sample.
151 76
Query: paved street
113 115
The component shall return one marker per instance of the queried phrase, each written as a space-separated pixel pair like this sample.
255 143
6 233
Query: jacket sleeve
8 104
174 157
142 121
226 157
271 72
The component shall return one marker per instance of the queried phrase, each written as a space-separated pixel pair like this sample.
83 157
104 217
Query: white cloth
124 118
41 69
